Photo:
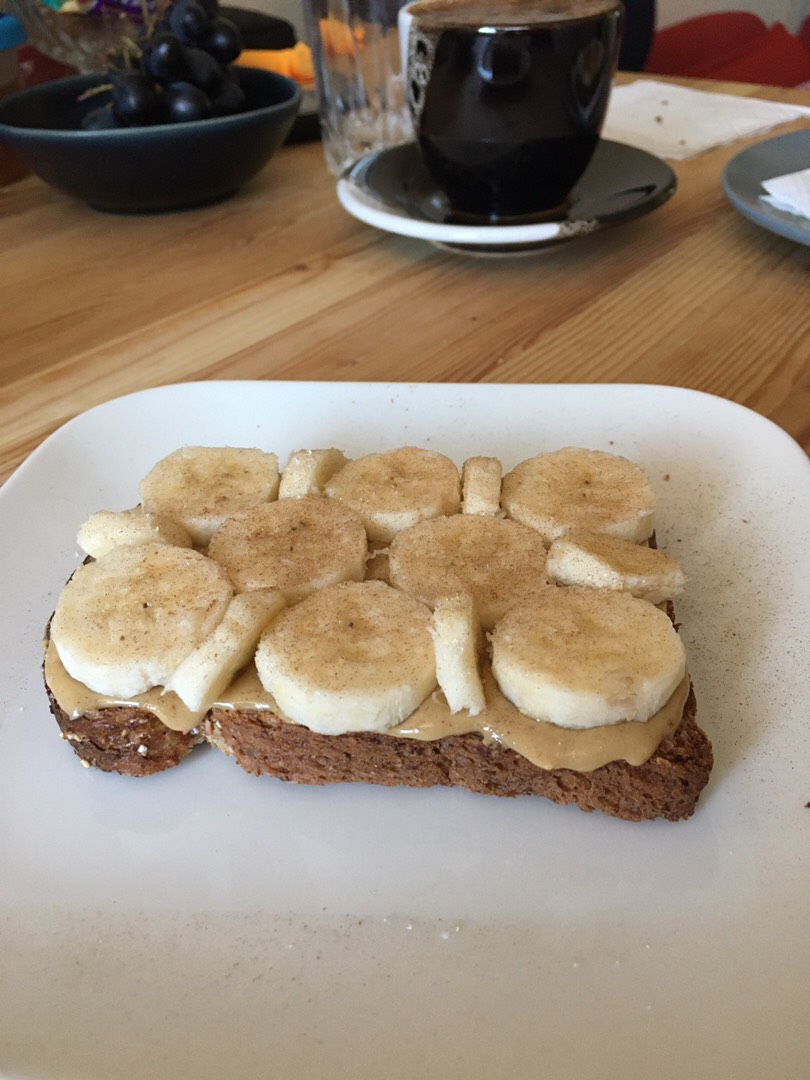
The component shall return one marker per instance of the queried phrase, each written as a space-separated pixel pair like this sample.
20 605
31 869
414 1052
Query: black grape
203 70
230 98
224 40
164 58
185 102
189 20
100 119
135 98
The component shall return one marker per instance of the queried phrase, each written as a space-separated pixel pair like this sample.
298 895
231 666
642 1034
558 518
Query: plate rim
652 389
790 226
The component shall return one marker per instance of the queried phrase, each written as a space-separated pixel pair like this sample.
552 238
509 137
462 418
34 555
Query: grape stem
149 15
94 91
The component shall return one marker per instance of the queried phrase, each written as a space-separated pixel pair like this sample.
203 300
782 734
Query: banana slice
573 489
125 622
609 562
357 656
458 642
206 672
497 561
307 471
583 658
481 479
201 486
295 545
393 490
106 529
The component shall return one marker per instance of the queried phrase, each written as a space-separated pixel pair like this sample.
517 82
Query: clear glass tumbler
359 77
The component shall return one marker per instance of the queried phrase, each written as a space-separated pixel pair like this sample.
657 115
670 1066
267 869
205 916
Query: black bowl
147 169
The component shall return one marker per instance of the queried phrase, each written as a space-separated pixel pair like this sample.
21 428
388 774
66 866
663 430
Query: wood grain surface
280 282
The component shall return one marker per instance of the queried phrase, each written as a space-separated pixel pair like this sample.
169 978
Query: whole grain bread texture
666 786
124 739
133 742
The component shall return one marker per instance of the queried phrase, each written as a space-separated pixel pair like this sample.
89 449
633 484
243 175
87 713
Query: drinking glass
359 77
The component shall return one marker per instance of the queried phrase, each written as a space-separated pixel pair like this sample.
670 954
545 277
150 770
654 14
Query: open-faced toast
388 620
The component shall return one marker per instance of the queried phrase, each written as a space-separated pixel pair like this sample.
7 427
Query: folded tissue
790 192
677 122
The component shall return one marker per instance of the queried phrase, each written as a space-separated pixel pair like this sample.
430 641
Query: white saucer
392 190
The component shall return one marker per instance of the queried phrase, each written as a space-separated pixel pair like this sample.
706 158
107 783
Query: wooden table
281 283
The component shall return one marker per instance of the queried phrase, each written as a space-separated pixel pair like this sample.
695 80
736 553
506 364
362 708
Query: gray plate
743 176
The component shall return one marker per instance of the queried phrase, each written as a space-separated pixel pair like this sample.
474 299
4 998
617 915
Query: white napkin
677 122
790 192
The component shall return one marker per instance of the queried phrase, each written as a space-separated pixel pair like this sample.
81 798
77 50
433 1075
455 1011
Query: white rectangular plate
207 924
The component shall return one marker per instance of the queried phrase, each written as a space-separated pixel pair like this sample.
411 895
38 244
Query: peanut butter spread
546 745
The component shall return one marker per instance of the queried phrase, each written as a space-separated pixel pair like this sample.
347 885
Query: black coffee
508 100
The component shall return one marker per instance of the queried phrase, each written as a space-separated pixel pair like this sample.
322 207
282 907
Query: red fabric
696 44
734 46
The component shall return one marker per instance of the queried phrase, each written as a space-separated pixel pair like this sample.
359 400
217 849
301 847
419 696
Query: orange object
339 39
295 63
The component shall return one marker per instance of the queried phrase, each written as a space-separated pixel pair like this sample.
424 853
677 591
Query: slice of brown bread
134 742
124 739
667 785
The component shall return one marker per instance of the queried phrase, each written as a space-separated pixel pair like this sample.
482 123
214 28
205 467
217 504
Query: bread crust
124 739
134 742
668 785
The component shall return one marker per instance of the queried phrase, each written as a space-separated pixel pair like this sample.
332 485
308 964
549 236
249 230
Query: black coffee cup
508 99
